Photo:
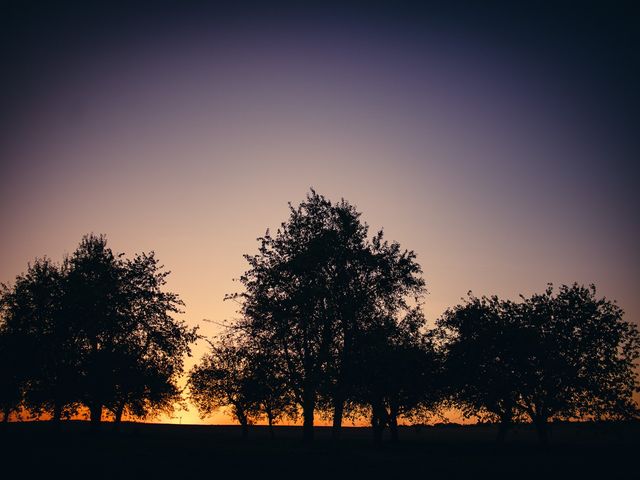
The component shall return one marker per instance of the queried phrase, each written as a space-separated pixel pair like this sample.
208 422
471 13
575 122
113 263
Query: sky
497 142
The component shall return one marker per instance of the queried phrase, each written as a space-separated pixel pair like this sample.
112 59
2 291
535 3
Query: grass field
35 450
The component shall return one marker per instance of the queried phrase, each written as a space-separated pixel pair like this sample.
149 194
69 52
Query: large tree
247 381
310 291
95 304
580 355
561 356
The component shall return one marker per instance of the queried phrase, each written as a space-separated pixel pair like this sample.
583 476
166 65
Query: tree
565 356
95 305
224 378
12 373
38 338
132 348
274 399
149 360
311 289
484 359
240 377
371 285
580 356
398 373
287 303
96 330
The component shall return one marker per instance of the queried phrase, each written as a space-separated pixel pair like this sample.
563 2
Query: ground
35 449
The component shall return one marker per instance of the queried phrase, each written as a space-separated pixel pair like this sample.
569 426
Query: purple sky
504 166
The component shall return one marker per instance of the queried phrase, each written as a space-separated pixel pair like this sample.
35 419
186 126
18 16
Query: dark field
34 450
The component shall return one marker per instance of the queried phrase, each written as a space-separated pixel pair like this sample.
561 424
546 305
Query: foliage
483 358
398 372
557 356
96 330
580 356
311 292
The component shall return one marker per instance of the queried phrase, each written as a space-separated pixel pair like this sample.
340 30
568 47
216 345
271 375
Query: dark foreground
147 451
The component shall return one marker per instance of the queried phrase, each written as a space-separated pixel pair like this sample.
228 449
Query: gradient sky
498 144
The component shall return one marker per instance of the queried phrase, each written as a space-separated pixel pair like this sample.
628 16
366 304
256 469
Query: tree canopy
314 292
565 355
101 334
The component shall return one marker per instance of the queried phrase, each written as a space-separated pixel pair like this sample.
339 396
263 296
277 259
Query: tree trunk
393 427
245 428
118 416
344 372
338 412
378 429
308 409
95 413
272 434
378 422
243 419
394 410
542 427
56 416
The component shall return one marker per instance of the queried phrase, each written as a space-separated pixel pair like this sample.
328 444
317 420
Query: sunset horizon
263 218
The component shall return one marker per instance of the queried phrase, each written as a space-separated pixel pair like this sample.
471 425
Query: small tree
269 387
224 379
398 373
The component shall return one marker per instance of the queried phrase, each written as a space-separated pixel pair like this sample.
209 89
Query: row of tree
331 324
92 333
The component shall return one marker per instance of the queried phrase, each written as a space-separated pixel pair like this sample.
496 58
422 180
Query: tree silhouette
240 377
132 348
269 387
224 378
310 290
565 356
398 373
483 359
96 330
580 358
38 341
14 374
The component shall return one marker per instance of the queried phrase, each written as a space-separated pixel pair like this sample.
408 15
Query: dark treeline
330 325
